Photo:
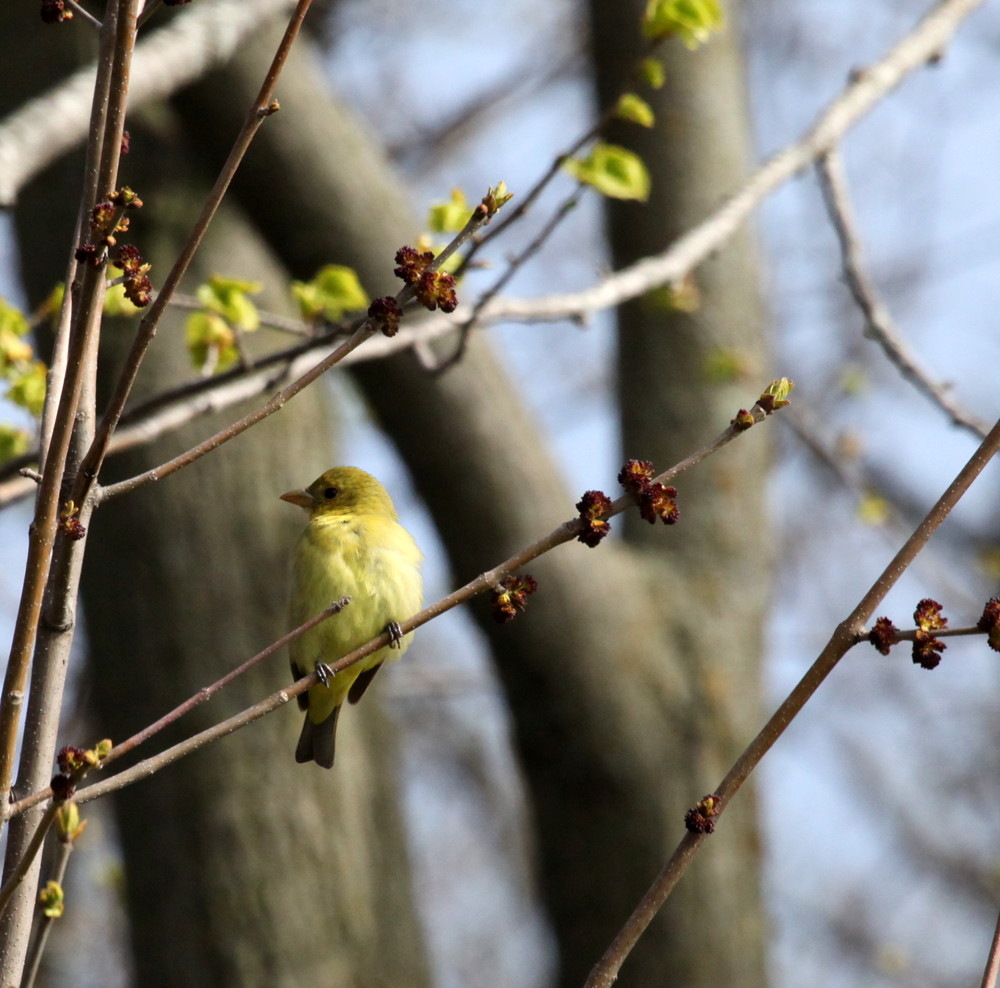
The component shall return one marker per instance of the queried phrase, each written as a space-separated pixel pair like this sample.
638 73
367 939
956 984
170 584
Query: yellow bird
353 546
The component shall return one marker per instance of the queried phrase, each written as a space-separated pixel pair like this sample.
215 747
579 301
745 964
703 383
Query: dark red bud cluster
88 254
593 507
55 11
70 759
655 500
512 597
387 313
102 215
700 819
926 648
990 623
63 788
884 635
433 289
138 288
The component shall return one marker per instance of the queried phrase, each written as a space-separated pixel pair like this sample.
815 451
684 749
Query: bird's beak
301 497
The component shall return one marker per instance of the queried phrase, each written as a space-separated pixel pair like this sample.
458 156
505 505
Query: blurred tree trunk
242 868
624 675
681 377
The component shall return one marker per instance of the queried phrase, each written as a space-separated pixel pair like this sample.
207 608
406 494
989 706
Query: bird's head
343 491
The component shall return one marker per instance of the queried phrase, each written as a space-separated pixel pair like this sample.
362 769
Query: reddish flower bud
126 142
928 615
593 506
102 215
411 263
743 421
70 759
884 635
636 475
700 818
990 623
63 788
55 11
512 597
927 650
387 313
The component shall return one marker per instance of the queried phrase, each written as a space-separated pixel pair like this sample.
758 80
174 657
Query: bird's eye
330 493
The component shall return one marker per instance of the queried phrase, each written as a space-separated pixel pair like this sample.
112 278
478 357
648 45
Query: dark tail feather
317 742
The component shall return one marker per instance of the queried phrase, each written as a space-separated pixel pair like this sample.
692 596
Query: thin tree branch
367 329
116 49
34 845
85 14
45 925
489 580
846 635
567 206
260 109
879 324
194 701
195 42
993 961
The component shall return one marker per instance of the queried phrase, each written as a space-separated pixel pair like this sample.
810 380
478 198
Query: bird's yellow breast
373 560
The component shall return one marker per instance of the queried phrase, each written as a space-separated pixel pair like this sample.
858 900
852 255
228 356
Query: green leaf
208 335
690 20
228 297
614 171
651 69
116 304
451 216
27 387
635 108
334 291
15 351
13 442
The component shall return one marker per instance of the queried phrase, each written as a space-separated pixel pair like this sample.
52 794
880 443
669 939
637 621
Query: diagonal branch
845 636
879 324
196 41
489 580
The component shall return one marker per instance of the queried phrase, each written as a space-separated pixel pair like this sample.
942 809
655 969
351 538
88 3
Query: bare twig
45 925
513 267
196 41
367 329
194 701
34 845
993 961
482 583
879 324
846 635
257 113
269 319
85 14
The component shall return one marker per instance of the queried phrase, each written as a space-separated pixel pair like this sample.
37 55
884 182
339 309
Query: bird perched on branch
353 546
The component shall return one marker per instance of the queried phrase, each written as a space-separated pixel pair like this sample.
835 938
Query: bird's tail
317 742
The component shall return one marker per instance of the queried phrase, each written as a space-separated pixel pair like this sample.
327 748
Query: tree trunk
618 699
681 376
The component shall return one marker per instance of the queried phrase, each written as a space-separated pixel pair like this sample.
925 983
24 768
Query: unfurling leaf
52 900
651 70
614 171
209 337
690 20
451 216
333 291
228 298
635 108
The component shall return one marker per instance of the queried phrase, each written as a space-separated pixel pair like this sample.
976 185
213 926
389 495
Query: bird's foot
324 673
395 633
